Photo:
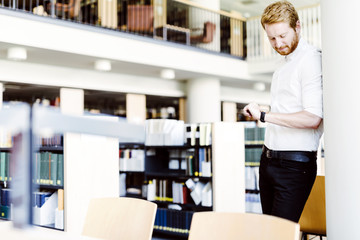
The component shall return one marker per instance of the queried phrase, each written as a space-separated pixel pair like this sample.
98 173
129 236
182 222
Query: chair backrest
313 217
249 226
120 218
209 31
140 18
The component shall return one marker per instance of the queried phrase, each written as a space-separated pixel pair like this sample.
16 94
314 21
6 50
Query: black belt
299 156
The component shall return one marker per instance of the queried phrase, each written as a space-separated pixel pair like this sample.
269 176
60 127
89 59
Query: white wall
341 49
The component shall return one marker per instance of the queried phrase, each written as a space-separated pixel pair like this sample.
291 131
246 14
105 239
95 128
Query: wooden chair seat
234 226
120 218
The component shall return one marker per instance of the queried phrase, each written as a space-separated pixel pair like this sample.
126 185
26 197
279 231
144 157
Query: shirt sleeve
311 81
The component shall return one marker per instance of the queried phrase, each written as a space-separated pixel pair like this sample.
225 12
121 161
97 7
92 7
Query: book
53 168
60 170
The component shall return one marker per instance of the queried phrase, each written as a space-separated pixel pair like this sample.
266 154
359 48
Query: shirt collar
300 45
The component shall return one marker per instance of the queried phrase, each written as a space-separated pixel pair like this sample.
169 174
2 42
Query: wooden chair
207 34
70 9
120 218
234 226
140 18
313 217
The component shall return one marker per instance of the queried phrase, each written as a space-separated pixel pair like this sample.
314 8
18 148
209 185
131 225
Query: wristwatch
262 117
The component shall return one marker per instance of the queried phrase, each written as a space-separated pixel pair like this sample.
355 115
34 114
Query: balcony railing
179 21
258 46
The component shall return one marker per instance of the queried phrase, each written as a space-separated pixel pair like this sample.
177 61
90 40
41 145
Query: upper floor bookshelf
167 20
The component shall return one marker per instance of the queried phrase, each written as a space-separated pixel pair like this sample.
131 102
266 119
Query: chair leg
304 236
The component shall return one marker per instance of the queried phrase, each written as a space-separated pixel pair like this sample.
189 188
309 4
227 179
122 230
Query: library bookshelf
183 179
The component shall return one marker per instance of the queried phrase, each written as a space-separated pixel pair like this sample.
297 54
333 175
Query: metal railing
178 21
258 46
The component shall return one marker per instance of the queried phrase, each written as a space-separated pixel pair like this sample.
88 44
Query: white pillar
341 49
1 94
203 100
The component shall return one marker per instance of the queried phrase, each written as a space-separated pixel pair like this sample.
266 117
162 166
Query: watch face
262 117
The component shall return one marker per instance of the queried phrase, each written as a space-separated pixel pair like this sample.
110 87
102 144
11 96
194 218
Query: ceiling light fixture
102 65
259 86
17 53
167 74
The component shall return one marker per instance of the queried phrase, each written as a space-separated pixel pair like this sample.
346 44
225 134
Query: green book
7 166
37 167
53 168
42 167
60 170
2 166
47 168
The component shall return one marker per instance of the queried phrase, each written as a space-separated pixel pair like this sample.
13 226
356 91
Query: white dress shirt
296 86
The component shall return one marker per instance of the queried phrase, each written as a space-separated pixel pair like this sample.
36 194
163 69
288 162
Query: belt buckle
268 153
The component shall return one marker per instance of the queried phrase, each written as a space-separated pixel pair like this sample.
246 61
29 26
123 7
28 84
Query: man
288 162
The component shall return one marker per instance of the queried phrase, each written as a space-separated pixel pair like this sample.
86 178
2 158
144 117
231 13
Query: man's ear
298 26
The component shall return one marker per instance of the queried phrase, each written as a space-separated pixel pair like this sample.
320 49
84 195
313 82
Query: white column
341 50
203 100
229 112
1 94
136 108
91 164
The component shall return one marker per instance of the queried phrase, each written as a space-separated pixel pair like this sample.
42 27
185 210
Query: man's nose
278 43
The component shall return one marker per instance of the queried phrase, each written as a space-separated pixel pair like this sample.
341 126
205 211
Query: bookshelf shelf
187 206
48 186
176 176
252 164
135 172
254 143
51 148
5 149
181 147
168 233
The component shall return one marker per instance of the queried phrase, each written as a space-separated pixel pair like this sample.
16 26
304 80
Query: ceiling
252 8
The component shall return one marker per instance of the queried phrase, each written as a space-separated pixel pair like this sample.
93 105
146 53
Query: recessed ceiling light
259 86
102 65
17 53
167 74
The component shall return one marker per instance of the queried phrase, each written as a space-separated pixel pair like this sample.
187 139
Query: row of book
254 135
5 199
5 212
173 220
161 132
6 140
252 203
198 134
49 168
253 156
48 208
131 160
5 166
53 141
198 163
190 191
161 113
252 178
165 132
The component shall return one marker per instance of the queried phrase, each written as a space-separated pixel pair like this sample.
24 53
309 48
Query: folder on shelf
45 215
206 195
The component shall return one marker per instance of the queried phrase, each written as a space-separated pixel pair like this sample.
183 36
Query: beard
286 50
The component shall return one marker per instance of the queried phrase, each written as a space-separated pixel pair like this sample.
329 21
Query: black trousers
285 186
